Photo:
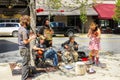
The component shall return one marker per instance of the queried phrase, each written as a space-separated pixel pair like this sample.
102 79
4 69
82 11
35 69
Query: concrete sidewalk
6 73
111 72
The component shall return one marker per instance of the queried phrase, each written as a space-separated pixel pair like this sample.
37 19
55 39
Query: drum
80 68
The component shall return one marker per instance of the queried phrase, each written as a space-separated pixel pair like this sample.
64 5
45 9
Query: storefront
11 10
105 16
69 17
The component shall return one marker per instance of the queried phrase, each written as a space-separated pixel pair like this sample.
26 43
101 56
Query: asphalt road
9 51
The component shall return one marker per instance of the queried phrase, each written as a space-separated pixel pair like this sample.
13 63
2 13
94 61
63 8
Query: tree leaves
116 16
54 4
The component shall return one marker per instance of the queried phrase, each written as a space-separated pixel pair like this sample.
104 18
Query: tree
53 5
33 26
50 5
116 16
83 14
82 6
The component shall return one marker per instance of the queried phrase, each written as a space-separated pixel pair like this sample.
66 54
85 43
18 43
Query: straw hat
41 37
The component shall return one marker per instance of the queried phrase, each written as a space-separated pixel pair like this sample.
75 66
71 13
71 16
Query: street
9 48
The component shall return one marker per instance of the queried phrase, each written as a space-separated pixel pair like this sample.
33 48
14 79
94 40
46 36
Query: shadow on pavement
6 46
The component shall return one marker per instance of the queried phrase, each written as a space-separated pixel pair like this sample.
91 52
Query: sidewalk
6 74
111 72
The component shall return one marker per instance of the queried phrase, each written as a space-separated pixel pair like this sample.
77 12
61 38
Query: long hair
24 20
44 21
93 24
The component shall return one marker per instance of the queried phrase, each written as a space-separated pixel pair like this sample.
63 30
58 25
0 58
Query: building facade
71 16
67 14
11 10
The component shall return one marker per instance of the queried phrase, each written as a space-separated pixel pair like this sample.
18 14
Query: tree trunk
82 28
32 8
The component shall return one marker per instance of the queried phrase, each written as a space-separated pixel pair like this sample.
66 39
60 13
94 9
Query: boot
97 61
93 59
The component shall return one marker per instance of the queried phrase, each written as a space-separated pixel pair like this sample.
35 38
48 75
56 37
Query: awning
90 12
105 11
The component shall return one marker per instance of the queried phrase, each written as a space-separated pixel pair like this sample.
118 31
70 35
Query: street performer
23 40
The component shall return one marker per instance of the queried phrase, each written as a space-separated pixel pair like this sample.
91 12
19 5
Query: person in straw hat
47 31
47 52
94 34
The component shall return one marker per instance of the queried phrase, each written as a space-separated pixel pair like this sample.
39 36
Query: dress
94 43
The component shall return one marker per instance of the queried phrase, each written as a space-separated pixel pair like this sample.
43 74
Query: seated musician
47 52
70 50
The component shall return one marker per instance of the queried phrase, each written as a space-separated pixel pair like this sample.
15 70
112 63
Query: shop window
105 26
118 24
104 23
71 21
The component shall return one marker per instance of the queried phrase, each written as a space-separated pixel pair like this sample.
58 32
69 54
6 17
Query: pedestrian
47 52
94 34
23 40
46 31
70 50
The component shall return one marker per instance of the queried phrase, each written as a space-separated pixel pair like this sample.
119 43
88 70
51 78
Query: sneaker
91 71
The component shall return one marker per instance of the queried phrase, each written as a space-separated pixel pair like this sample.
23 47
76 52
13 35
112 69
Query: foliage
83 18
83 9
94 1
83 12
83 4
54 4
116 16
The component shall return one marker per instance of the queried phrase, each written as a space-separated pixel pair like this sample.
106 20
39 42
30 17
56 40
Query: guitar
40 52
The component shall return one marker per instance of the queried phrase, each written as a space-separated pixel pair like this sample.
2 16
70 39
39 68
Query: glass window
61 24
71 20
7 20
118 24
12 20
53 24
9 25
15 25
2 25
104 23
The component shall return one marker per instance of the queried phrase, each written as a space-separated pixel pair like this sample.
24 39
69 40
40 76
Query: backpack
81 54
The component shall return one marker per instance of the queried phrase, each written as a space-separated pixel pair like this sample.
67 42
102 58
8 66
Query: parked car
116 30
9 28
106 30
60 28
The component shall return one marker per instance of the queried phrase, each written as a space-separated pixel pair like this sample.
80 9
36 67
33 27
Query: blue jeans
51 54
